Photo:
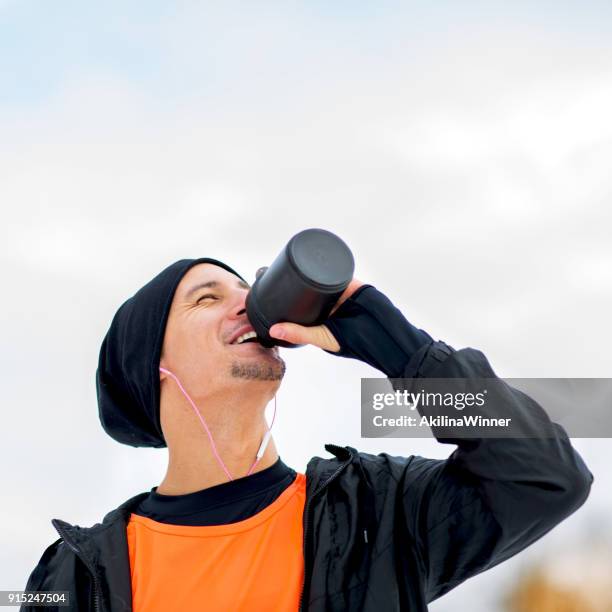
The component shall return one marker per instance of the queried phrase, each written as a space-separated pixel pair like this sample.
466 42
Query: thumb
317 335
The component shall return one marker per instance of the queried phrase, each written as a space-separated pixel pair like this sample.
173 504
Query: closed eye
208 295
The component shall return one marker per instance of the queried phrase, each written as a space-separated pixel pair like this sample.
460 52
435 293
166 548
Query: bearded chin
260 371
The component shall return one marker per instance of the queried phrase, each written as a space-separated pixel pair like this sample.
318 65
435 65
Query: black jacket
382 533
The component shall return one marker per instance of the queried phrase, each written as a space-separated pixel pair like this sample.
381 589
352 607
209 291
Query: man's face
206 317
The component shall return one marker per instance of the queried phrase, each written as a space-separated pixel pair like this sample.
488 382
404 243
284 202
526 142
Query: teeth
244 337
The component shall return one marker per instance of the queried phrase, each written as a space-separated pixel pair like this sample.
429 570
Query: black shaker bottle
302 284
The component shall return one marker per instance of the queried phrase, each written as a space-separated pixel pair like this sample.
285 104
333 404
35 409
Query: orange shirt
254 564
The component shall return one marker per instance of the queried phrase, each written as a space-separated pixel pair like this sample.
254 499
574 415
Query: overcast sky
462 150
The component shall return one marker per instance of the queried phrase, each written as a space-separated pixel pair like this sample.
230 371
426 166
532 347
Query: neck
237 425
184 477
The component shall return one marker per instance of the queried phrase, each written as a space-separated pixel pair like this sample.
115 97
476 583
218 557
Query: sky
462 150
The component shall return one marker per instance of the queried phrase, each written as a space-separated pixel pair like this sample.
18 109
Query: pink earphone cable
212 442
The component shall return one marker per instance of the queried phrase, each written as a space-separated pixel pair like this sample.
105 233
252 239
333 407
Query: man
231 527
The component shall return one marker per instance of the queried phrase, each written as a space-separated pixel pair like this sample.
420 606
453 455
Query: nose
239 308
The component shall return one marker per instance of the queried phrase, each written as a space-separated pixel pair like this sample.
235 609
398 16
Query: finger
318 335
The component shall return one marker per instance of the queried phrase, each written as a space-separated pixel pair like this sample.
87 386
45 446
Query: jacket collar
103 548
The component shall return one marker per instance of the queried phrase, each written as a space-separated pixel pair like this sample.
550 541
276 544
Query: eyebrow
213 284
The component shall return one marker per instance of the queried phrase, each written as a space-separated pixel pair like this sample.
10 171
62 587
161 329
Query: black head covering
127 378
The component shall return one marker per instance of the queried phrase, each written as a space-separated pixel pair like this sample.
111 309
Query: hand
318 335
368 328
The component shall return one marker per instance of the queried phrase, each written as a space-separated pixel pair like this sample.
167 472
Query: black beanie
127 378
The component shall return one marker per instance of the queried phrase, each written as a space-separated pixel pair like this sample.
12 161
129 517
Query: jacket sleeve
59 569
492 497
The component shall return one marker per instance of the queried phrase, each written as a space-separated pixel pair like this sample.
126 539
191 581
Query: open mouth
249 341
250 336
